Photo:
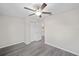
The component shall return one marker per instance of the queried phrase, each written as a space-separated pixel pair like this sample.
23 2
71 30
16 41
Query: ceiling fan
39 10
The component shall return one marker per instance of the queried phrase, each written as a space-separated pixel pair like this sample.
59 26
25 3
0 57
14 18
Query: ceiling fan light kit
38 13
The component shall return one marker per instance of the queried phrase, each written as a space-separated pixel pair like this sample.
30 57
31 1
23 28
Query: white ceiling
17 9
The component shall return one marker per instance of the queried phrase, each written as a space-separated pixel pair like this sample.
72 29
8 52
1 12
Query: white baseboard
62 48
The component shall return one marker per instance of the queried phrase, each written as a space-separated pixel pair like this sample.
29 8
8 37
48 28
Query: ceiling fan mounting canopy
39 11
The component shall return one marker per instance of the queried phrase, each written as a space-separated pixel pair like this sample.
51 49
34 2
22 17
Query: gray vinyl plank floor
39 49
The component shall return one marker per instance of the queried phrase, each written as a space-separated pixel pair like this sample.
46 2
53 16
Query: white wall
14 30
11 30
62 31
32 30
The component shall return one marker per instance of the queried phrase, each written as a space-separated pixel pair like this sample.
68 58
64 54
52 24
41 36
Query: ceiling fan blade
43 6
32 14
29 9
47 13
